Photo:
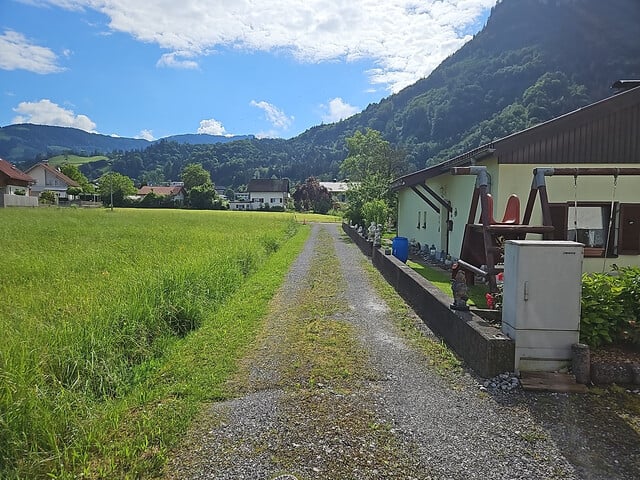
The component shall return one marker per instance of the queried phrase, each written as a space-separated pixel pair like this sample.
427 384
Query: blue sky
154 68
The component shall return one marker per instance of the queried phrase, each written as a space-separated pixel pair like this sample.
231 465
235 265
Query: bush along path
345 383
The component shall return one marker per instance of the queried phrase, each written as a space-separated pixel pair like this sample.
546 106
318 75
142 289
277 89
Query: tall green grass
93 306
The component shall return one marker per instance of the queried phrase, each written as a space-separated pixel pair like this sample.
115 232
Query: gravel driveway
401 421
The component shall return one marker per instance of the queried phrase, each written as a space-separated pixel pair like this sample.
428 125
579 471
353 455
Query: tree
370 154
73 172
371 166
375 211
117 184
199 187
310 195
194 175
201 197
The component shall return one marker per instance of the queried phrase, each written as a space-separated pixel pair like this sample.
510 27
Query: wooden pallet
551 382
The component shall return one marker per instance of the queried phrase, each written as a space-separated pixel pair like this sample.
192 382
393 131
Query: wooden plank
499 228
551 382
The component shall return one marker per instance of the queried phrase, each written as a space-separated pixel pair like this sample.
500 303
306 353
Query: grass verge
325 369
322 348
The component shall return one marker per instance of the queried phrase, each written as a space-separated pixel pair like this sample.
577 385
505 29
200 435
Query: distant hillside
534 60
27 143
204 139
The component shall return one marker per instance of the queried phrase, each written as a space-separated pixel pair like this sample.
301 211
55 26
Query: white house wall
266 198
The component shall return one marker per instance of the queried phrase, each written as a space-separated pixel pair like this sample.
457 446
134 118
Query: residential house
220 191
591 182
177 193
263 194
15 187
337 190
51 179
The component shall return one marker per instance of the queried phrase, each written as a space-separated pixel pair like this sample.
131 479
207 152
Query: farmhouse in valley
15 187
176 193
263 194
591 180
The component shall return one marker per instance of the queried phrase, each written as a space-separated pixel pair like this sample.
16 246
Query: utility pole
112 191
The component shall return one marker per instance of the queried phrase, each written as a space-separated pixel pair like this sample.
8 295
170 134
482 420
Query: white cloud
269 134
338 110
146 135
17 52
172 60
405 39
45 112
275 116
212 127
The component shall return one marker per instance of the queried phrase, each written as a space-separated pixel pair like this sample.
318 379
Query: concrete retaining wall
18 201
482 346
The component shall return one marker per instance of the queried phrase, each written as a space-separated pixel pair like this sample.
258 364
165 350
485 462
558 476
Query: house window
588 223
274 200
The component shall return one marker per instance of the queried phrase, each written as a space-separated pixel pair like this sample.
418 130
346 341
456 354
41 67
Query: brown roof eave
467 158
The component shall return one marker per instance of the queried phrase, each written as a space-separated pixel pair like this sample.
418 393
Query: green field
118 326
60 160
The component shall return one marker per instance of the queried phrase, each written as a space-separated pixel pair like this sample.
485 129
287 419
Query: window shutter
559 212
629 229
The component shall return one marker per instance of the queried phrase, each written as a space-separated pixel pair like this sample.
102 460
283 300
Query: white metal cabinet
541 302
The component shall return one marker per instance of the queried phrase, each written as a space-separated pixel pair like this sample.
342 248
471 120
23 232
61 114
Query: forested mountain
534 60
29 142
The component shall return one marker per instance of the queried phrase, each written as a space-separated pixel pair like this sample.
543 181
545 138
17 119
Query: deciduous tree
371 166
194 175
118 184
310 195
73 172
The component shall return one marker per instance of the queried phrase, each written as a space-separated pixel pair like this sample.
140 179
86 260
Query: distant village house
51 179
15 187
263 194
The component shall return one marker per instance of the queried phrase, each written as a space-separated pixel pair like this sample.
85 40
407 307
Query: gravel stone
415 423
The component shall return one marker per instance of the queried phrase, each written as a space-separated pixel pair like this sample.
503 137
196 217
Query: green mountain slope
28 142
534 60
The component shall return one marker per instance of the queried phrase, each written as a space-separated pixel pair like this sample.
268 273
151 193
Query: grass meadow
118 326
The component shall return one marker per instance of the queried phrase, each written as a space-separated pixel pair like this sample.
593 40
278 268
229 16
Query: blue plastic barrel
400 248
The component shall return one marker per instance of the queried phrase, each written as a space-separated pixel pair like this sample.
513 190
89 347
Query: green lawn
118 327
443 282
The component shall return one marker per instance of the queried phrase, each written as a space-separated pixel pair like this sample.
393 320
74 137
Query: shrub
48 197
629 280
610 307
375 211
